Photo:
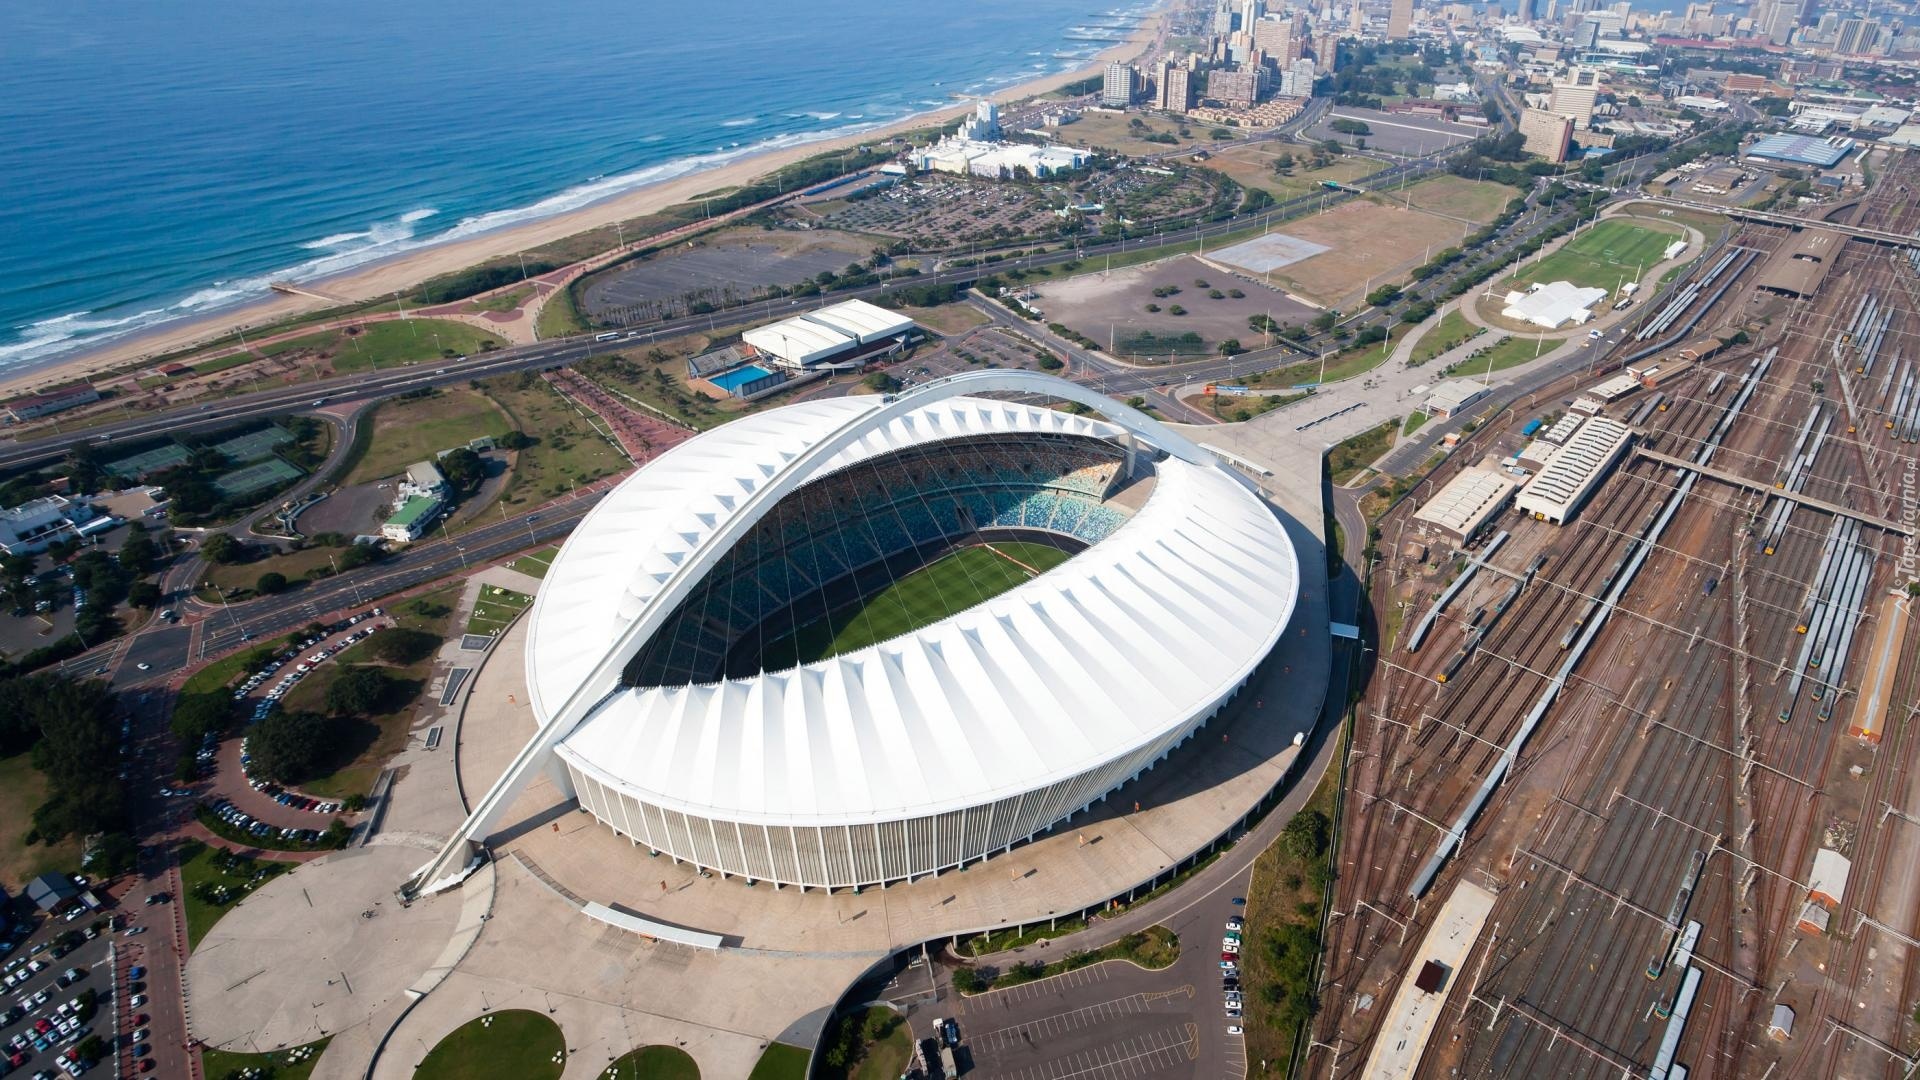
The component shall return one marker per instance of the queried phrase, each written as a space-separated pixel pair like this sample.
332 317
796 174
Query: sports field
941 588
1601 256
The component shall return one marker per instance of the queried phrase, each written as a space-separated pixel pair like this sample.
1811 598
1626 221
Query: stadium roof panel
1097 658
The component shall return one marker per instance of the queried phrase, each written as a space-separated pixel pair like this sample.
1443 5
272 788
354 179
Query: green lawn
406 430
781 1062
536 563
1453 329
223 672
365 743
657 1063
23 787
512 1045
292 1064
1600 256
879 1058
222 363
495 608
1345 461
566 451
946 586
386 344
204 868
1414 422
1512 352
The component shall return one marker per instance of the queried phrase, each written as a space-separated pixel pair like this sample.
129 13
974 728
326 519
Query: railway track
1645 760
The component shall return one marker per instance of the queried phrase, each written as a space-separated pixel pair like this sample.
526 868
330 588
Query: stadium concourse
567 916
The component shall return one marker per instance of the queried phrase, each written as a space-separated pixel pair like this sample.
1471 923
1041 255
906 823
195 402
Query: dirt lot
730 266
1368 242
1115 131
1103 305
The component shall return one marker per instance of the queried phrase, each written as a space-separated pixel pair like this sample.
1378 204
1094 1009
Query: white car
1235 1029
144 666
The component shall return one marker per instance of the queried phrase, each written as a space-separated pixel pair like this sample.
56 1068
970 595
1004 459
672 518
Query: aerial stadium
858 640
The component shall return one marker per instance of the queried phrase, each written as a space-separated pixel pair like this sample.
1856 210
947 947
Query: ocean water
168 158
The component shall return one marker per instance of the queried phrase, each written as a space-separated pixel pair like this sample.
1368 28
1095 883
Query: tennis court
943 587
253 445
255 478
148 462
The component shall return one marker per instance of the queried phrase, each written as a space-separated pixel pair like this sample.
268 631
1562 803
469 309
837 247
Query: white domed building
864 639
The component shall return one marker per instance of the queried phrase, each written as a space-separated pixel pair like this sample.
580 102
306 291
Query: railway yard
1671 736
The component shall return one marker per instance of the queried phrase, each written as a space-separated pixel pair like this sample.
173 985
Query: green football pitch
1600 257
941 588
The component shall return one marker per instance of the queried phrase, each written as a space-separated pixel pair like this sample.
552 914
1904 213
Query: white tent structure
1553 304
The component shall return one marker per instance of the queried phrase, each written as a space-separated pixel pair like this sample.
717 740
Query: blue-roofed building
1801 150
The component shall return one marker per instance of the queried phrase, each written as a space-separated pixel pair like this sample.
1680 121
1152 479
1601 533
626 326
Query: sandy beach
405 271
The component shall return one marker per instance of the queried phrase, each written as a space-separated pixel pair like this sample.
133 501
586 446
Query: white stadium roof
1107 653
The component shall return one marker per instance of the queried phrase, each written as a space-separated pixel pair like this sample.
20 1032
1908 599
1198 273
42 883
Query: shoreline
403 271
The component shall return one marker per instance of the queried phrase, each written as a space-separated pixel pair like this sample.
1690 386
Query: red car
1230 956
142 1020
43 1025
146 1064
18 1059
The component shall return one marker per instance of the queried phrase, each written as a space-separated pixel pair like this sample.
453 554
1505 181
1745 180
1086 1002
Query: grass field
1601 256
941 588
536 563
1345 461
23 787
655 1063
1413 423
779 1061
1457 196
1252 167
567 451
1282 912
295 1063
201 865
514 1044
406 430
1509 353
1453 329
495 608
1114 131
384 344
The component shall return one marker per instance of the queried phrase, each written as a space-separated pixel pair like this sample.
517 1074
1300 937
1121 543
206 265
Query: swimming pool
733 380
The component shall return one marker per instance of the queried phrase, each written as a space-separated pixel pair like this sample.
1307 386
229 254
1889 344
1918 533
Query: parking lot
60 990
1107 1020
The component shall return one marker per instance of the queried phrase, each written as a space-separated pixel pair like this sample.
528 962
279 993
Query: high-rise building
1785 19
1238 88
1283 38
1357 17
1176 93
1117 88
1572 99
1326 52
1529 10
1296 79
1400 20
1548 134
1857 37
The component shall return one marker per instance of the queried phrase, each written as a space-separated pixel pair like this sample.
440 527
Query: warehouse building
1801 150
1468 501
1797 269
1556 492
1449 398
844 333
